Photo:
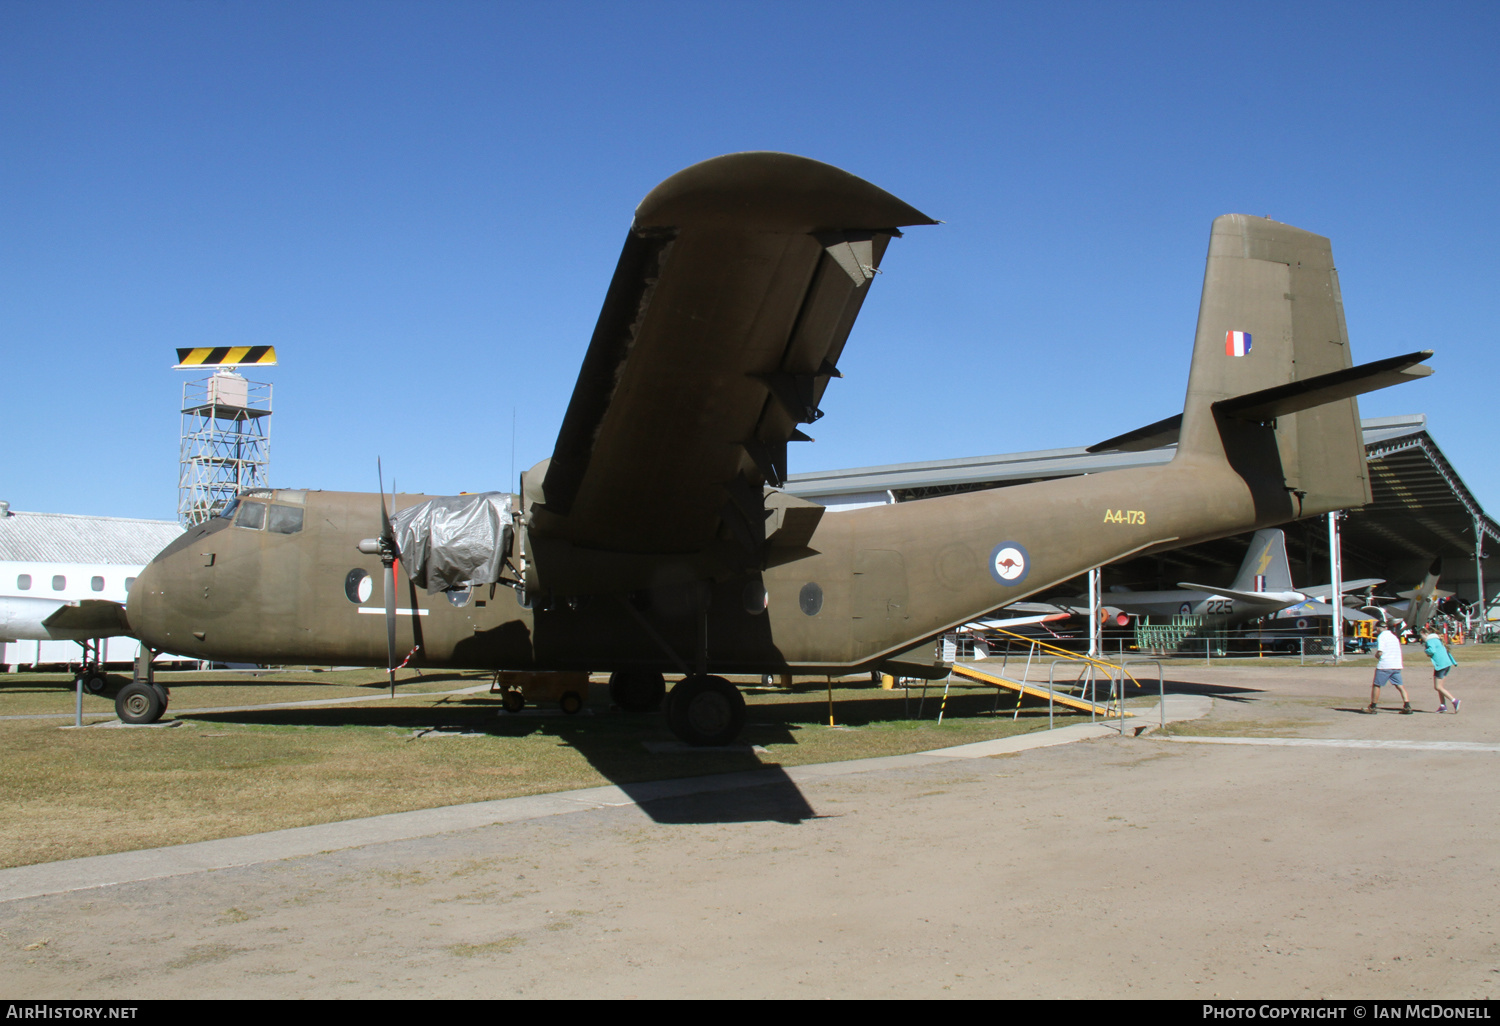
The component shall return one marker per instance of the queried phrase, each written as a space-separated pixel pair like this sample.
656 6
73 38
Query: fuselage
1214 608
871 584
31 592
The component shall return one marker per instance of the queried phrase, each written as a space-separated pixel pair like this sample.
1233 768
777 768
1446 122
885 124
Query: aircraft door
879 607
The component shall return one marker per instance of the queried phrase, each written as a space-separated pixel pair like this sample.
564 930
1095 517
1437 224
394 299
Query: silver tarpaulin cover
454 541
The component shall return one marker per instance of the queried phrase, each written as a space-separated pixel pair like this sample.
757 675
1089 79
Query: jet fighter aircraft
656 539
1418 605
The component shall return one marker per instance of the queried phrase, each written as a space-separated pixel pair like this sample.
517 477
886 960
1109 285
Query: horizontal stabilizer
1270 598
1270 403
1322 591
1152 436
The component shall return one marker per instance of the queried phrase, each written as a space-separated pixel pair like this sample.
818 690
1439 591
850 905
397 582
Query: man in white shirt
1388 670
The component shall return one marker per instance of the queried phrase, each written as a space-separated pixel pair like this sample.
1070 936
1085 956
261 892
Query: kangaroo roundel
1009 563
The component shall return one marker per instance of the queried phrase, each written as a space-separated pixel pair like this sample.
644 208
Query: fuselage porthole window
96 584
251 515
284 519
59 582
23 582
358 585
458 596
129 583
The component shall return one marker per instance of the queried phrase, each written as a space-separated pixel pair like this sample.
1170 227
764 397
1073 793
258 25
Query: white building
64 578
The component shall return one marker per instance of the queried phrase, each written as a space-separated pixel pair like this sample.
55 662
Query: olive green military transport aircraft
657 540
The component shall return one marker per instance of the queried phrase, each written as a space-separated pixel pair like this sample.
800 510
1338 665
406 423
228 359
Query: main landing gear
637 691
91 672
705 711
702 710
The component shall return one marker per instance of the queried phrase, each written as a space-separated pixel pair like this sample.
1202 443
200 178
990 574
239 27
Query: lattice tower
225 444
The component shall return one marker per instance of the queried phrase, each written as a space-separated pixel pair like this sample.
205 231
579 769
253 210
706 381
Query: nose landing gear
142 700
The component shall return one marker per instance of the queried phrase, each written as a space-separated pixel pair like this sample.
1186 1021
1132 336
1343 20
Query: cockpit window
284 519
251 515
228 511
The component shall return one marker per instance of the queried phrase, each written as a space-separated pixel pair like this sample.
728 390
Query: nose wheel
139 702
705 711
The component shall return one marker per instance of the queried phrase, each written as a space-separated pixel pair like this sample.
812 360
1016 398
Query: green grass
71 793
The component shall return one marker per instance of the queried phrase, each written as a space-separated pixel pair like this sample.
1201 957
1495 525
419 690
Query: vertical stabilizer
1265 567
1272 314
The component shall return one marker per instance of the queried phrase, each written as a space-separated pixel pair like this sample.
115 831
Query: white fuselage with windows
32 592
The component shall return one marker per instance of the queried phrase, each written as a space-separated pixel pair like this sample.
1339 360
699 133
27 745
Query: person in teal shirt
1442 662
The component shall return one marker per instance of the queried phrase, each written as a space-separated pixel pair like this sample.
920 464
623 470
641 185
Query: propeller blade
389 553
387 534
390 625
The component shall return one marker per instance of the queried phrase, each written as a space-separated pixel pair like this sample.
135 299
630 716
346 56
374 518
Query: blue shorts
1440 674
1384 677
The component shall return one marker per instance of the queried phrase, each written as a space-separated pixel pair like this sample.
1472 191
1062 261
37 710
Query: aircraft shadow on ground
673 784
669 781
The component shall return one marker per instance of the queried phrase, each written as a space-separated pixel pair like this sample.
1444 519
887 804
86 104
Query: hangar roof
69 538
1420 506
1419 503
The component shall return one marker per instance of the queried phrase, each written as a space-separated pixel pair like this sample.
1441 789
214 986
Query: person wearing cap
1442 662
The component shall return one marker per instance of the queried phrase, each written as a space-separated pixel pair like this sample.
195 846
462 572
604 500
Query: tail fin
1265 567
1272 315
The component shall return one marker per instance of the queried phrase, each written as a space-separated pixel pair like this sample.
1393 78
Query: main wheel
513 701
706 711
94 682
140 703
571 702
637 691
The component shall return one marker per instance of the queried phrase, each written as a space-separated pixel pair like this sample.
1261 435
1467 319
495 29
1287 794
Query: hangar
1420 510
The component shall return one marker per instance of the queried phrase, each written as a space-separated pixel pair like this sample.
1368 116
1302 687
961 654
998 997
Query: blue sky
420 206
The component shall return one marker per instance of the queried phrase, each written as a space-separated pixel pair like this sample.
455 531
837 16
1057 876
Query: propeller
385 546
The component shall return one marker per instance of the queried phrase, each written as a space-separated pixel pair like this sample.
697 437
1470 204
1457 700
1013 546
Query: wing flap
736 290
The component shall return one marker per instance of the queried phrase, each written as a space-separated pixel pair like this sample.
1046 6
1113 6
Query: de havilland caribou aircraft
657 540
1262 587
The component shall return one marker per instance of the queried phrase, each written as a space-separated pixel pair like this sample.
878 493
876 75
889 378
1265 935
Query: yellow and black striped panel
227 356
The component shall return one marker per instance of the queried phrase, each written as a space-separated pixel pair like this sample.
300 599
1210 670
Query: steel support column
1336 572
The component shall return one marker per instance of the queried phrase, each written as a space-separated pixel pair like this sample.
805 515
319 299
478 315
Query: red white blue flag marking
1237 343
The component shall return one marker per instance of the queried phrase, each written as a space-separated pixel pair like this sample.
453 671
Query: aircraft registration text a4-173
656 540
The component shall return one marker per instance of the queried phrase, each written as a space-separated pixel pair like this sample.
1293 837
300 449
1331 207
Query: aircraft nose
143 607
